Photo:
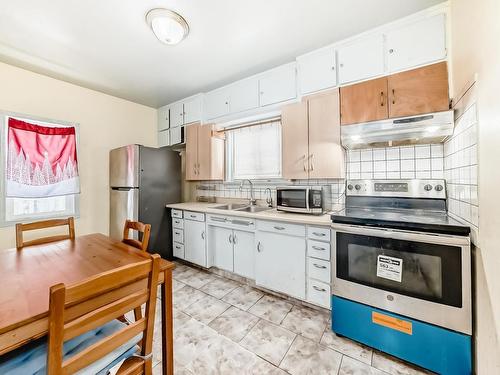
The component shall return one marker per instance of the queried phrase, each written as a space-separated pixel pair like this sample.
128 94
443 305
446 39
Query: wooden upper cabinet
191 151
419 91
204 153
326 156
365 101
295 148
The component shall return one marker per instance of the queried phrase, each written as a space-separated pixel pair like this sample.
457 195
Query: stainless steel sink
253 209
231 206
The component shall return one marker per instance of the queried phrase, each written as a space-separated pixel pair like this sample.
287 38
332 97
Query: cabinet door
317 70
192 110
163 138
278 85
176 115
163 118
365 101
194 242
244 253
244 95
280 263
361 59
192 152
419 91
419 43
294 131
326 156
204 152
220 245
216 103
175 135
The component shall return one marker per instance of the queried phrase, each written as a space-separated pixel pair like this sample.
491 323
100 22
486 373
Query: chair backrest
20 228
87 305
145 229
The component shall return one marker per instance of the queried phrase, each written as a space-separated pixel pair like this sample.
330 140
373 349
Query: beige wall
476 50
105 122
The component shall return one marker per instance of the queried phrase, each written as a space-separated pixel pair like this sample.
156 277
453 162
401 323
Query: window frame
4 115
229 163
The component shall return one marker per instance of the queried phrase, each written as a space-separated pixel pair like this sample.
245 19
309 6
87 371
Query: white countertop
271 214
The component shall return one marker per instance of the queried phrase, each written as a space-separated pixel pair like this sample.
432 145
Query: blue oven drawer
426 345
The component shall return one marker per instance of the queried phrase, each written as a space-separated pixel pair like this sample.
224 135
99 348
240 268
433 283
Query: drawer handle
279 228
319 234
318 248
317 288
319 266
177 233
192 216
177 247
219 219
241 222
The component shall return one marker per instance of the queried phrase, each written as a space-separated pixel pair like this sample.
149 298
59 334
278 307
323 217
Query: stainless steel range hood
429 128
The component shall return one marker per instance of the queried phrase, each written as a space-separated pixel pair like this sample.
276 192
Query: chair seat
32 358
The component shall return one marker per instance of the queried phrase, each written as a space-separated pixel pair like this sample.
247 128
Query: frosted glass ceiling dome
168 26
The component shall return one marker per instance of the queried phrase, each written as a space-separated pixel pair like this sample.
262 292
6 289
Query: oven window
427 271
292 198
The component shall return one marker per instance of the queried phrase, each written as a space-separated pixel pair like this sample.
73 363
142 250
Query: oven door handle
441 239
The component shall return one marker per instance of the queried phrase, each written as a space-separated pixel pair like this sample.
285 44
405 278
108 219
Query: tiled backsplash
224 190
461 166
421 161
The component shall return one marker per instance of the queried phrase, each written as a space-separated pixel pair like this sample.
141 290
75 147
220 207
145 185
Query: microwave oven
301 199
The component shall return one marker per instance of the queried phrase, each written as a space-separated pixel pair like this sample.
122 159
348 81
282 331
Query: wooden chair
20 228
145 229
85 306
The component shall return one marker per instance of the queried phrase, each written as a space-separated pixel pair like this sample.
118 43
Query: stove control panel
434 189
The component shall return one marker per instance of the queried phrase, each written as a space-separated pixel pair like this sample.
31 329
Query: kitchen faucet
253 201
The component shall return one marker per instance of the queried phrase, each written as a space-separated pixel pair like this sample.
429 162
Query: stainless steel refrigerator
142 181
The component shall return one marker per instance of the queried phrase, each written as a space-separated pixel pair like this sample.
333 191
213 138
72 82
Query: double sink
241 208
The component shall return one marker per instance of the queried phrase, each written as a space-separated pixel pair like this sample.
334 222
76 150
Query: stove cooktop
405 219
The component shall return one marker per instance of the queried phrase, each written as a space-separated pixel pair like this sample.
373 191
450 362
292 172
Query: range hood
421 129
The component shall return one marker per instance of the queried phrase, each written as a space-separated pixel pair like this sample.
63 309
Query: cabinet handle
333 67
318 248
319 289
219 219
279 228
230 238
177 247
381 98
235 239
312 163
393 96
391 50
305 167
319 234
259 249
319 266
203 235
341 65
192 216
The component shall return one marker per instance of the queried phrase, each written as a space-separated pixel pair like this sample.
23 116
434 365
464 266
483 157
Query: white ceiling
106 44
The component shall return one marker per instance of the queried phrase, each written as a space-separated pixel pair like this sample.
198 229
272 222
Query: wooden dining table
26 275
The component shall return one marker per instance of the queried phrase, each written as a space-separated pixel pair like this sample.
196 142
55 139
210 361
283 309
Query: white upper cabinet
216 103
176 115
361 59
278 85
163 138
175 135
317 70
419 43
192 110
163 118
244 95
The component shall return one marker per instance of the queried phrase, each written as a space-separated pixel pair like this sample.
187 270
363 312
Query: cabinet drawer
178 250
318 269
177 223
178 235
196 216
318 249
282 228
318 293
177 214
319 233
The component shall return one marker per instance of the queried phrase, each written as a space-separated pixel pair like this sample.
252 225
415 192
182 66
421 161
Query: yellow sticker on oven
393 323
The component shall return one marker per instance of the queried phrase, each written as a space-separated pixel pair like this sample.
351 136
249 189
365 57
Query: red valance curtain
41 160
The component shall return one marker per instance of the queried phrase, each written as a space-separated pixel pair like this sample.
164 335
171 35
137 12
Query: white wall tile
393 166
366 166
437 164
408 152
437 151
393 175
354 155
408 165
354 167
423 164
379 166
392 153
408 175
423 152
379 154
379 175
367 155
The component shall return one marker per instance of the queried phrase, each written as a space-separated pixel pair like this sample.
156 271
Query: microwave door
293 198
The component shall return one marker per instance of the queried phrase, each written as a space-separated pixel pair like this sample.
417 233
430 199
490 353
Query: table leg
167 335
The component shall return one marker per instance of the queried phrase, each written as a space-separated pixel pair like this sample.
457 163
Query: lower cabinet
195 250
221 244
280 263
244 258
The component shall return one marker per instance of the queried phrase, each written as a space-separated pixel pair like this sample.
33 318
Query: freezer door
124 166
124 204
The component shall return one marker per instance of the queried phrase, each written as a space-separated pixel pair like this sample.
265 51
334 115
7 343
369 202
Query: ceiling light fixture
169 27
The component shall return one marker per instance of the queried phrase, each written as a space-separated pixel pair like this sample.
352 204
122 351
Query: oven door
419 275
293 199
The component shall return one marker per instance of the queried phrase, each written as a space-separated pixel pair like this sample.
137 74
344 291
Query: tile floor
222 327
